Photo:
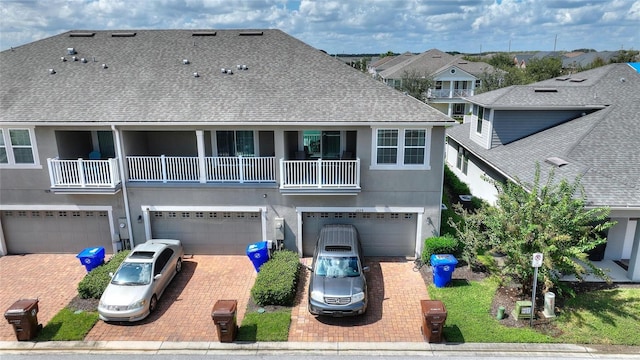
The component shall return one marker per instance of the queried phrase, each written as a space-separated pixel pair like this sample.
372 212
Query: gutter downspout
125 195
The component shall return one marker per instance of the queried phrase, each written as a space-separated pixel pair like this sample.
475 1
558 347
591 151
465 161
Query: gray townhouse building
219 138
583 125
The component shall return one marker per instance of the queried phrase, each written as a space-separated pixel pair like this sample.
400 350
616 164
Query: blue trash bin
258 253
91 257
443 267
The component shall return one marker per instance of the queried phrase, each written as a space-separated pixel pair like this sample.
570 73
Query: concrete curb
311 348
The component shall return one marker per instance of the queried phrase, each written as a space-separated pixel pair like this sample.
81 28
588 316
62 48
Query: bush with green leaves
438 245
456 186
277 280
94 283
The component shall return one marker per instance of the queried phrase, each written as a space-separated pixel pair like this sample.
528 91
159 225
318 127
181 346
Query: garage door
213 233
382 234
29 231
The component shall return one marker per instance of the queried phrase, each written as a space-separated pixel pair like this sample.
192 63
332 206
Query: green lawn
599 317
266 326
68 325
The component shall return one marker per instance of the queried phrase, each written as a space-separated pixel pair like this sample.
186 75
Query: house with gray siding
453 78
219 138
586 125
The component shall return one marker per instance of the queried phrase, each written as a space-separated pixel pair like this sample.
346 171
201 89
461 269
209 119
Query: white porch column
634 262
201 163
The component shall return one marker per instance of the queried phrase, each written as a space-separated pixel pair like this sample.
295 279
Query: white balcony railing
448 93
83 173
320 174
189 169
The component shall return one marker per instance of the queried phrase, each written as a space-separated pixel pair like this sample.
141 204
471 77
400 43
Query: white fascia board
371 209
56 207
203 208
245 124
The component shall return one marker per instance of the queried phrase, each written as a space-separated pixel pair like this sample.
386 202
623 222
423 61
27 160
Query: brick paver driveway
393 315
51 278
184 311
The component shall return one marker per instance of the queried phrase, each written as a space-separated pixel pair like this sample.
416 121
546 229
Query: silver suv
338 286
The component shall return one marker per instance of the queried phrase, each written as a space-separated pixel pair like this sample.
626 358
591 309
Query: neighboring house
219 138
453 77
584 125
386 62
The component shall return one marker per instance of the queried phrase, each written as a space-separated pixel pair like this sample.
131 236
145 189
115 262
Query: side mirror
157 277
110 274
308 267
365 269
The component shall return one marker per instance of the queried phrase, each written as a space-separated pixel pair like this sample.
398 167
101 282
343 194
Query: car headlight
317 296
136 305
357 297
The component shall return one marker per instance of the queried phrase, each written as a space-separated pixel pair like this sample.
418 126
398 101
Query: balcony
217 169
320 176
84 176
448 93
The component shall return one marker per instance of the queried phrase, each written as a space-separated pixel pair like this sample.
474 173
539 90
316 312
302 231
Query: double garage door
31 231
208 232
381 234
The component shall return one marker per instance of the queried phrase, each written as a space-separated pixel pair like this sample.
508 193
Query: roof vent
123 34
82 34
185 61
577 80
195 74
83 60
74 58
71 51
226 71
52 71
251 33
242 67
204 33
556 161
563 78
546 90
622 79
104 66
63 59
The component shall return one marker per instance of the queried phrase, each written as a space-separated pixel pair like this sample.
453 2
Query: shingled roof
148 76
603 147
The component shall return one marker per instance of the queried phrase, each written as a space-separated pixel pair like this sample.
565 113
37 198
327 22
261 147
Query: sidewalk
314 348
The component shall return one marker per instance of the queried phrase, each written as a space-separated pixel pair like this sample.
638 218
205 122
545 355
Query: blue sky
351 26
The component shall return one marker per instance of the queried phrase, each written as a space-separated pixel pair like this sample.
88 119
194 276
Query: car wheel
179 266
153 304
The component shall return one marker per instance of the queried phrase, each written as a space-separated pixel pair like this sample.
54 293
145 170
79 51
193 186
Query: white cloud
348 25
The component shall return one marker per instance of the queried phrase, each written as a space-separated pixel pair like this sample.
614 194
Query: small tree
416 84
549 218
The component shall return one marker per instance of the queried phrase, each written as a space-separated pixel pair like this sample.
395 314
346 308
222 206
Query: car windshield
337 266
131 273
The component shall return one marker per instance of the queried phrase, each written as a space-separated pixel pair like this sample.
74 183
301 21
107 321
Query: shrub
93 284
439 245
276 282
456 186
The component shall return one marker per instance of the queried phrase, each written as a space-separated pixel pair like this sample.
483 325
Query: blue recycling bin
91 257
258 253
443 267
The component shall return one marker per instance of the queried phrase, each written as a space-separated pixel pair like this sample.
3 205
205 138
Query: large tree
550 218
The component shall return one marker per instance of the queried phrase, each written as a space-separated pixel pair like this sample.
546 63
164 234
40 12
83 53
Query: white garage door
382 234
208 232
28 231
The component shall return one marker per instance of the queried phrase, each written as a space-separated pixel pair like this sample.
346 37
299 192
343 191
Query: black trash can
23 315
224 317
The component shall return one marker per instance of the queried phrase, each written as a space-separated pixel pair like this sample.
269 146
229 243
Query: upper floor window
235 143
479 125
401 148
17 147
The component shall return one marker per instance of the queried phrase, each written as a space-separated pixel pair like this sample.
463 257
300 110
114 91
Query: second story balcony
448 93
211 169
322 176
80 175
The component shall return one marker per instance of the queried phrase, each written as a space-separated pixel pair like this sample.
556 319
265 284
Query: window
395 148
462 162
17 147
478 83
235 143
479 125
438 85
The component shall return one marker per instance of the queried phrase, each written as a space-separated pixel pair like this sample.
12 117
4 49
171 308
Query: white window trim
399 165
9 148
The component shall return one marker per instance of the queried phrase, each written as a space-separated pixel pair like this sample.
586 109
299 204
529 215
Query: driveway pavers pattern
393 315
51 278
184 311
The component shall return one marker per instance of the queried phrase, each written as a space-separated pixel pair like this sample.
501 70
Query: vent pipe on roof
71 51
104 66
62 58
83 60
74 58
241 67
52 71
185 61
195 74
